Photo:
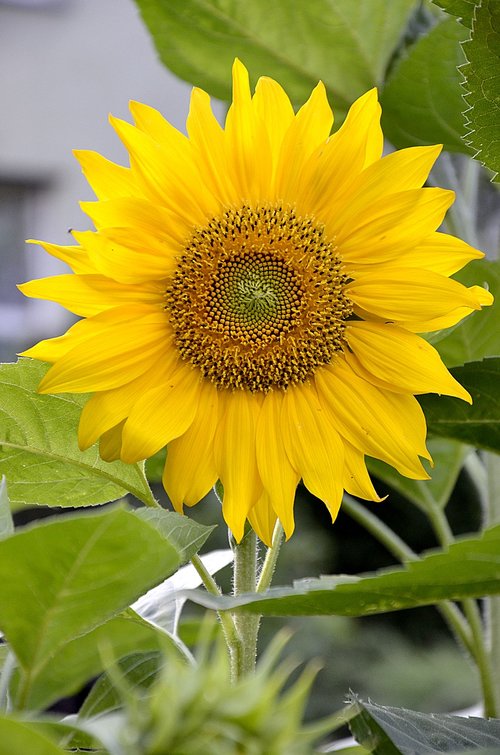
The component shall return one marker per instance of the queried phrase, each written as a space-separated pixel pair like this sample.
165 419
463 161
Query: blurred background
65 65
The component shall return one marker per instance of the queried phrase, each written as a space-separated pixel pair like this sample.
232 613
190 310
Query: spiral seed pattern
257 301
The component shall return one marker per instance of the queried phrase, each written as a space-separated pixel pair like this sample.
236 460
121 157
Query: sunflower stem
269 565
229 630
492 604
480 653
245 581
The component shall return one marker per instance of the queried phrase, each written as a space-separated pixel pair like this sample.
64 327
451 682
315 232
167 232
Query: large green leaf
346 44
62 578
470 568
184 533
479 424
478 336
39 454
462 9
22 738
83 658
482 82
422 102
448 457
389 731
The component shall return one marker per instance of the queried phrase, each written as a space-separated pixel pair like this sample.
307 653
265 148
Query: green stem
269 565
400 550
245 581
480 653
231 635
482 658
492 463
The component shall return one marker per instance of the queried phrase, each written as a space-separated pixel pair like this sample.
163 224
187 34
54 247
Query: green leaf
462 9
478 336
395 730
39 453
448 457
482 82
346 44
470 568
479 424
422 102
184 533
23 737
85 657
138 669
6 523
62 578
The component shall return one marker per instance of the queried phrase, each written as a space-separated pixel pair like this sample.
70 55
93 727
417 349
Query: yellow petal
110 443
278 476
380 231
405 294
112 352
247 142
483 299
313 445
107 179
87 295
399 171
74 256
52 349
387 426
207 138
356 478
273 105
152 122
165 178
308 130
441 253
263 519
335 165
235 457
190 470
133 212
105 409
404 359
129 255
162 413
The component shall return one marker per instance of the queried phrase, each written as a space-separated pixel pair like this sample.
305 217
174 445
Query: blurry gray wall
64 65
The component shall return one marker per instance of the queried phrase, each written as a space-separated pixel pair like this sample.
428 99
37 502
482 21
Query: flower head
251 298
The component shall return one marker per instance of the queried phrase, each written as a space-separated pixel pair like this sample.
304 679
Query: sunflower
251 299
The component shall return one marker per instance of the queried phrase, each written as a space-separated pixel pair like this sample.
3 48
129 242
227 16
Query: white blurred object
162 606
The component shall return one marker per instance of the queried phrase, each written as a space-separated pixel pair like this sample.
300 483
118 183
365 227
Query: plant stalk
492 463
229 630
480 652
269 565
245 581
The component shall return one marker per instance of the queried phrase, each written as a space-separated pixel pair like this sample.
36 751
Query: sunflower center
254 296
257 299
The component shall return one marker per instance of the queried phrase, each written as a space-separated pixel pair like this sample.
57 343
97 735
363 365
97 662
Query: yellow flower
252 297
